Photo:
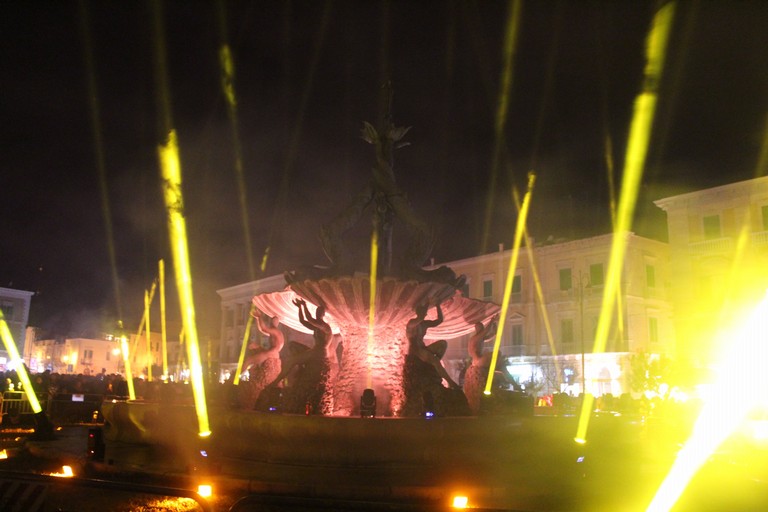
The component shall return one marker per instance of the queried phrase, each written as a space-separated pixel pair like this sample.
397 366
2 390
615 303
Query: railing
717 245
60 408
760 238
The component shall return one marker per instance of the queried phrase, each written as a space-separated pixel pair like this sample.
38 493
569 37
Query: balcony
714 246
760 238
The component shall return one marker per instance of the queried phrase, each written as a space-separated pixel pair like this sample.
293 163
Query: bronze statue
431 354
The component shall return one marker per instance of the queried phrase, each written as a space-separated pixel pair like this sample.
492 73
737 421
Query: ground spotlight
368 404
428 405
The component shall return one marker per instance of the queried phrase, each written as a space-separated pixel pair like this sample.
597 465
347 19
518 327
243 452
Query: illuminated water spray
634 162
519 230
742 385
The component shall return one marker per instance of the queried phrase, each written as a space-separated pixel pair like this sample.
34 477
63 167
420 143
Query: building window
650 276
517 335
765 217
7 309
653 329
566 279
712 227
596 274
517 284
487 288
566 330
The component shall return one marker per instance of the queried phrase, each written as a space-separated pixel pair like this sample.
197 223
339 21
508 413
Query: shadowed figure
477 373
268 327
431 354
262 364
316 363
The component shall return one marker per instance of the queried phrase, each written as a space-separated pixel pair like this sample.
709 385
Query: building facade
89 356
555 303
718 241
15 307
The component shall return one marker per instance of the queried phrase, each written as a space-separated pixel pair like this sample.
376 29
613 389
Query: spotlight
368 404
428 404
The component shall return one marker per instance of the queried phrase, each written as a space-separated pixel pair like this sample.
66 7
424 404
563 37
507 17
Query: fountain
371 395
375 348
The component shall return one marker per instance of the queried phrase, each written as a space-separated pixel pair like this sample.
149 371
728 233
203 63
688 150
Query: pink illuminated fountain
375 348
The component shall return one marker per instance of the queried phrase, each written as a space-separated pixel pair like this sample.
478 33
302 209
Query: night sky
307 74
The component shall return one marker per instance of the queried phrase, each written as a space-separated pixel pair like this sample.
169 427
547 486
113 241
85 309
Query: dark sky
308 73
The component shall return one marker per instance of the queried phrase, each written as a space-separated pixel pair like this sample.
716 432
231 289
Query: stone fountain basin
347 300
329 440
505 462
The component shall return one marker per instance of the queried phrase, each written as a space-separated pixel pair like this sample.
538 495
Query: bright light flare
66 472
741 386
205 490
634 163
171 173
460 502
519 230
3 454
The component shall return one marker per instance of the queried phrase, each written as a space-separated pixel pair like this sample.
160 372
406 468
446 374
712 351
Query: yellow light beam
244 347
741 385
296 133
148 358
127 352
171 173
98 144
541 303
127 363
634 162
520 228
608 154
163 331
372 301
505 88
228 89
18 363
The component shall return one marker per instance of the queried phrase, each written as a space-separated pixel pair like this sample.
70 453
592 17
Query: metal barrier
62 408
